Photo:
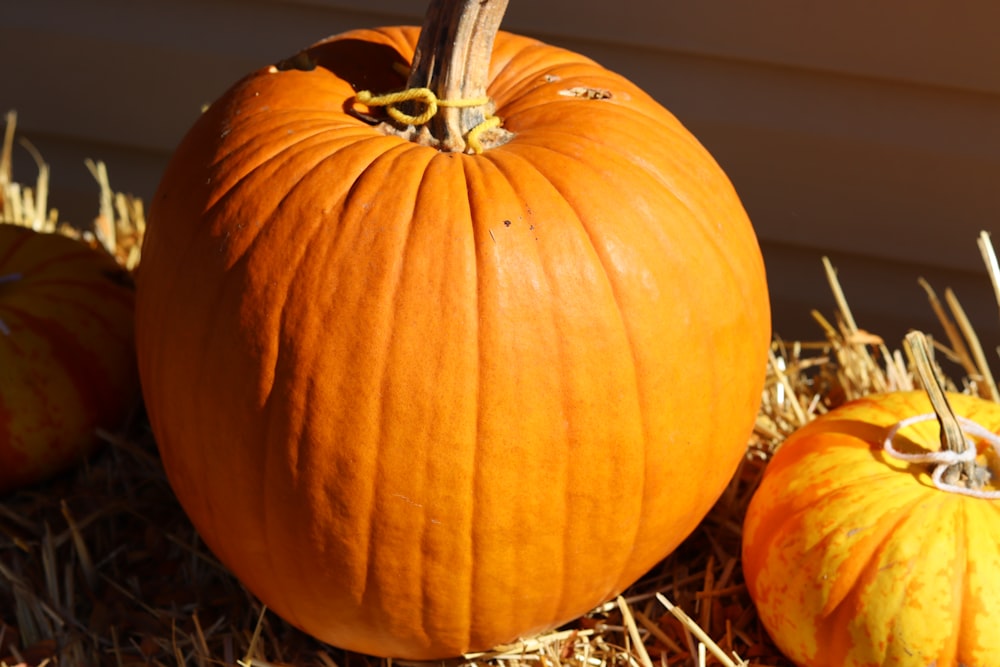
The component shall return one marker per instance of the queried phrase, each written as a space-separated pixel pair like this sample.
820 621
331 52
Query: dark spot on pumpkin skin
301 61
506 223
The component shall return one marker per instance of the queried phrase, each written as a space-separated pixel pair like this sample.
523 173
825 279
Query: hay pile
120 222
101 567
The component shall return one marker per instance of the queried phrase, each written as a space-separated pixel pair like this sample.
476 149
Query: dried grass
120 223
101 567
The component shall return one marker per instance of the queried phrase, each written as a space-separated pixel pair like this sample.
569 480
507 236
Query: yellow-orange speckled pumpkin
423 401
856 559
67 359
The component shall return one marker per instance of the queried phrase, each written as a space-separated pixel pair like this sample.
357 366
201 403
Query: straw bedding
101 567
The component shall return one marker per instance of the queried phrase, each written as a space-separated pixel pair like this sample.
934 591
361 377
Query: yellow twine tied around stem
431 103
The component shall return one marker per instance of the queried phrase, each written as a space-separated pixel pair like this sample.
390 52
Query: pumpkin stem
452 60
952 437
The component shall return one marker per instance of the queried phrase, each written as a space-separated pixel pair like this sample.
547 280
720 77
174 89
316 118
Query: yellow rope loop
431 104
390 100
470 102
473 139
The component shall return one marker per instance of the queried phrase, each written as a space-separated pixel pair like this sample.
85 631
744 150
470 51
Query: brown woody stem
952 437
452 59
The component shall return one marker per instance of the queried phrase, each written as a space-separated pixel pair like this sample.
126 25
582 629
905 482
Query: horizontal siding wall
869 132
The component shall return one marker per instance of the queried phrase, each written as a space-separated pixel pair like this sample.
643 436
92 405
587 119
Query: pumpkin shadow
362 64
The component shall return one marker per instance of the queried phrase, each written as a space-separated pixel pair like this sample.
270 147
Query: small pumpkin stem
452 59
952 437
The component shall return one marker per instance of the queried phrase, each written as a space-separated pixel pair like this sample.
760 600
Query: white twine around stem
945 458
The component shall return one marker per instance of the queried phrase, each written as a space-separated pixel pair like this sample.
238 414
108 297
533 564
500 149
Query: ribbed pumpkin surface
855 559
67 357
423 403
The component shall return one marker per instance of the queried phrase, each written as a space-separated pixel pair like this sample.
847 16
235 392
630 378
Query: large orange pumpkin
855 558
67 361
422 401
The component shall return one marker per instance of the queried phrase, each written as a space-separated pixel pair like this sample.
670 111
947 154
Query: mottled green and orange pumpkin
855 558
67 356
423 401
